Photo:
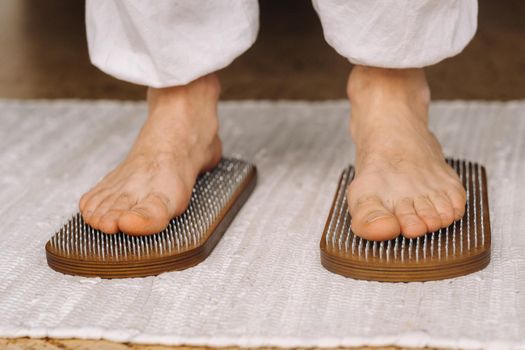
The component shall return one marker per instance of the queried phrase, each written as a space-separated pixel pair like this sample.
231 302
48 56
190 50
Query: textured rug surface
263 284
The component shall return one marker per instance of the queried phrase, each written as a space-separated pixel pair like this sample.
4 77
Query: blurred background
44 55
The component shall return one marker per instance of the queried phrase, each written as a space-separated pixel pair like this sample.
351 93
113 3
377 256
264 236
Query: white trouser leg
165 43
397 33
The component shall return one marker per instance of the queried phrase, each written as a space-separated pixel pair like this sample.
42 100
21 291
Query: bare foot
402 184
154 183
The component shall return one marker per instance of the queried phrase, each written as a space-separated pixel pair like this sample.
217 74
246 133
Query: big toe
149 216
372 220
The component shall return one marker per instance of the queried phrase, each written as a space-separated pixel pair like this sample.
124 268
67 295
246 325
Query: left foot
154 183
402 183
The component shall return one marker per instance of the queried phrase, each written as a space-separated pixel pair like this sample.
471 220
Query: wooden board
78 249
460 249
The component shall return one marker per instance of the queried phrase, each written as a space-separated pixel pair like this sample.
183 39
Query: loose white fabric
168 42
263 285
400 33
172 42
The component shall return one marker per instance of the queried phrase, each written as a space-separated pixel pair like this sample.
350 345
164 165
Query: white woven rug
263 284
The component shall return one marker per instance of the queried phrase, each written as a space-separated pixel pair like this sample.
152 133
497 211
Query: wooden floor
44 55
76 344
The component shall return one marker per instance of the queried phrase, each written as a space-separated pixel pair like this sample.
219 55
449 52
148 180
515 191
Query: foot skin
154 183
402 184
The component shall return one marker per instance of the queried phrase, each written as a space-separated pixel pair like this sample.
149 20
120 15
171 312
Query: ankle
381 98
182 120
408 84
191 108
207 86
196 101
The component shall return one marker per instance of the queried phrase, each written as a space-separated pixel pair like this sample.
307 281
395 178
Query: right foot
402 184
154 183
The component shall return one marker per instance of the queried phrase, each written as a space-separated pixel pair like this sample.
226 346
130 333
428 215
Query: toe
87 198
458 199
92 203
105 205
444 208
83 200
109 221
427 212
149 216
124 201
411 224
372 220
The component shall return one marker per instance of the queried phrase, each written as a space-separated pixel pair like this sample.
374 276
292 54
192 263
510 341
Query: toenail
413 224
376 216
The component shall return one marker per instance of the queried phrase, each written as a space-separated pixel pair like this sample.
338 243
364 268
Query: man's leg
402 182
174 47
